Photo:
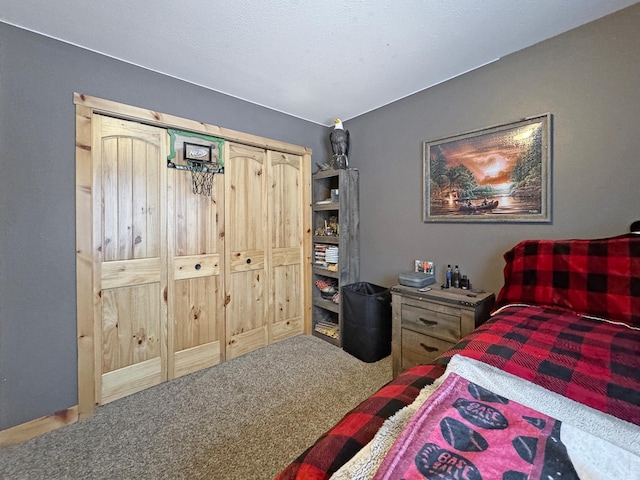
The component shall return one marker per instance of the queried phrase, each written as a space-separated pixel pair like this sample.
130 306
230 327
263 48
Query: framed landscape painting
496 174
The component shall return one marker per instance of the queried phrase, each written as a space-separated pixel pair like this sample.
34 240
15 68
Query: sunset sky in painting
490 157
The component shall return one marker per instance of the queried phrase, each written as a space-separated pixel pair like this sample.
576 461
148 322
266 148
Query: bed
548 387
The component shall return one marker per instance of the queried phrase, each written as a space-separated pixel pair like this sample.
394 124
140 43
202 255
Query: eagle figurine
340 144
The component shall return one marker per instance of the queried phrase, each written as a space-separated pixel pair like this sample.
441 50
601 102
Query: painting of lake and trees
497 174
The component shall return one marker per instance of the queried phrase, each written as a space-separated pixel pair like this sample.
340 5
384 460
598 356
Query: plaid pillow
599 278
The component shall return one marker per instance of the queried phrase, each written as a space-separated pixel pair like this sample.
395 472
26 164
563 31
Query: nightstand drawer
426 324
419 348
442 322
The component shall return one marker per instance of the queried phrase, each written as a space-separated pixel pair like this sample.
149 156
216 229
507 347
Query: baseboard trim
26 431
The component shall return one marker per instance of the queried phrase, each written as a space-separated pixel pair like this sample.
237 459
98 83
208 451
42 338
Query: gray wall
587 78
38 353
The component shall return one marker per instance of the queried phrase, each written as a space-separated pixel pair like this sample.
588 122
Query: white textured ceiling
314 59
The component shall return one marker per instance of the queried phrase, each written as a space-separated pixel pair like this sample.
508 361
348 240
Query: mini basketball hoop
199 160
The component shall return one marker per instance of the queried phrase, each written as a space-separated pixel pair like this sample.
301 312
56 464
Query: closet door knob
198 266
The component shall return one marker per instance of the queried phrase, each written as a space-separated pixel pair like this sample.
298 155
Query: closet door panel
197 308
131 326
288 309
130 316
246 322
131 219
194 305
131 346
196 292
246 174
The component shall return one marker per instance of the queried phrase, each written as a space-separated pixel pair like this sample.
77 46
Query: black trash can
366 321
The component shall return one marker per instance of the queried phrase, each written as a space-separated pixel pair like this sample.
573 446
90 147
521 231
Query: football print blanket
465 426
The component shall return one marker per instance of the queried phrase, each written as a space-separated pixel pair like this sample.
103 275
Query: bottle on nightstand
456 277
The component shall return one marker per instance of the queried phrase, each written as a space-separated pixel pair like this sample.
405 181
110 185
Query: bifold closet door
196 288
265 250
285 207
160 264
247 283
129 224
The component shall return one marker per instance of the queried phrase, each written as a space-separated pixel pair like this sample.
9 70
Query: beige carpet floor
244 419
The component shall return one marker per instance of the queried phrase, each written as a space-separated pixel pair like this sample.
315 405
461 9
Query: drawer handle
430 323
428 348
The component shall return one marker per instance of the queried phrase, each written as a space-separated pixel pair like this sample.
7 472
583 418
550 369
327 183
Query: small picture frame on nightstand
424 266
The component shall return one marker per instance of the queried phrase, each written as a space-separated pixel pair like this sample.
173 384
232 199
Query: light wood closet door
196 291
285 206
247 281
129 223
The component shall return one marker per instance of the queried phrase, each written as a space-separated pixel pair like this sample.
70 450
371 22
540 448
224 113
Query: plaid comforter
593 362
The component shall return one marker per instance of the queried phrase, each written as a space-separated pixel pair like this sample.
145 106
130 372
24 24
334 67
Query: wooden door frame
87 298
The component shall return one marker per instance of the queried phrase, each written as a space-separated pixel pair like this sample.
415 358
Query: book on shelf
325 254
328 328
320 254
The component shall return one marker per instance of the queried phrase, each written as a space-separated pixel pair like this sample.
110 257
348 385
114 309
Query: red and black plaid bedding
590 361
595 277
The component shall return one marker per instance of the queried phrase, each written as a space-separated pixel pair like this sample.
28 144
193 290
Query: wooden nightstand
426 324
